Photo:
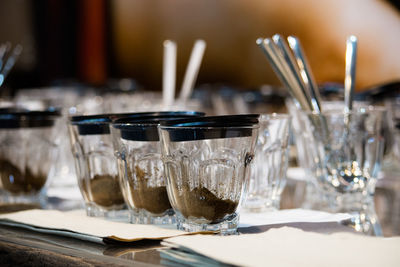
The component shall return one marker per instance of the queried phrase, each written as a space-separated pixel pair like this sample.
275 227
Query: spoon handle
350 75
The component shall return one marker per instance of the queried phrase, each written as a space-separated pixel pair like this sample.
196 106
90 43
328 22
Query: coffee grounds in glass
16 182
202 203
153 199
106 191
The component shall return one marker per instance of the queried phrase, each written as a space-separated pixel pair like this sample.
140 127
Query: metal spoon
350 75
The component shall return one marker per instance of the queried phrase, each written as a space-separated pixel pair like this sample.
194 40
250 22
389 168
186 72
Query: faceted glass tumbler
312 197
140 168
346 151
207 174
268 173
96 168
143 182
26 161
393 111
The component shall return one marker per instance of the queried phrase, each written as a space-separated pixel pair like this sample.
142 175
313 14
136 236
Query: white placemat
293 247
78 225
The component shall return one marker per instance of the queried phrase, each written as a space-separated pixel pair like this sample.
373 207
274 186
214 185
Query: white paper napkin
78 225
293 247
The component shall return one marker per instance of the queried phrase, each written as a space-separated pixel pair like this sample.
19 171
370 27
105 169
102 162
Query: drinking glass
393 112
207 165
64 176
96 165
346 150
27 155
140 168
312 196
268 175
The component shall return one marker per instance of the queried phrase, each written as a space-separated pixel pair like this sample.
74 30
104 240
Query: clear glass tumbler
96 166
268 173
206 162
346 151
140 167
27 155
312 198
393 112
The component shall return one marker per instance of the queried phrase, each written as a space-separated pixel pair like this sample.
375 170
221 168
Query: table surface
19 247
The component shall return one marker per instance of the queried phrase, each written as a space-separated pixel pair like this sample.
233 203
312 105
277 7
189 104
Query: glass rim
90 119
224 121
109 118
19 118
341 112
188 133
275 116
163 127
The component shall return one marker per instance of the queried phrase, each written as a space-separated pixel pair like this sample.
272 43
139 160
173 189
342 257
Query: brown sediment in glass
200 202
153 199
105 191
17 182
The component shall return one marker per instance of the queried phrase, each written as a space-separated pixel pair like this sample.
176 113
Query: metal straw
292 67
305 72
4 48
350 75
16 52
283 72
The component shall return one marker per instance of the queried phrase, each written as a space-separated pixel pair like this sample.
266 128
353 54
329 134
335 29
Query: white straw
169 72
192 69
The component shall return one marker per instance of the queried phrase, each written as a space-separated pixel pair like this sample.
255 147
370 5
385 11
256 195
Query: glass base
227 227
258 204
141 216
38 200
362 209
365 222
119 215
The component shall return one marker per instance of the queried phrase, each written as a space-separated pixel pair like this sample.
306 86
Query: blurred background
91 41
